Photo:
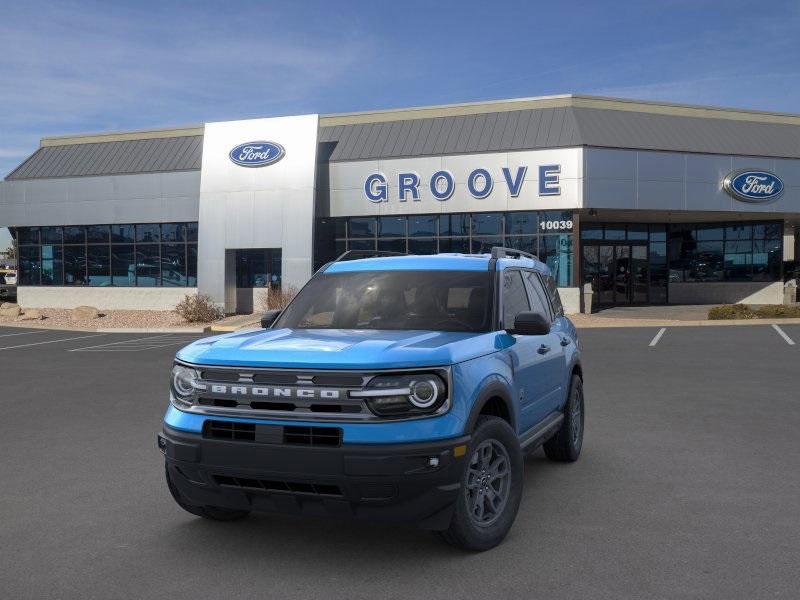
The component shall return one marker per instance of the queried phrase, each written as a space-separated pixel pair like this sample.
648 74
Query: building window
98 259
75 265
30 264
143 255
123 265
685 252
173 265
726 252
423 226
52 264
547 234
148 265
258 268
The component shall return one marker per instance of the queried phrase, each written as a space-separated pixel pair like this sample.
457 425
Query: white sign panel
527 180
257 191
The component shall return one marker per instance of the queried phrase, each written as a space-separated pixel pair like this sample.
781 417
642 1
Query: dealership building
651 203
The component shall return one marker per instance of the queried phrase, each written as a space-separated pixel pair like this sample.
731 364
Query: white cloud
71 68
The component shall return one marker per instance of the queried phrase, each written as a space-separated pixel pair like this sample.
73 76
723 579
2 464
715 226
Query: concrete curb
155 330
222 328
37 325
231 328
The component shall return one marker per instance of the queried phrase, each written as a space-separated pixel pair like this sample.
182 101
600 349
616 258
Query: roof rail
352 254
500 252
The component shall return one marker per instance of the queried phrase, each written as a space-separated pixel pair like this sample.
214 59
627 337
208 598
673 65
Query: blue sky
74 67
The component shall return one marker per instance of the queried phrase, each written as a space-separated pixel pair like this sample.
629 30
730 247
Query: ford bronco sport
400 388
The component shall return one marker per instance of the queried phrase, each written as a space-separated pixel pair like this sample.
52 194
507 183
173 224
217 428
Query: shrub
778 311
271 298
747 311
731 311
198 308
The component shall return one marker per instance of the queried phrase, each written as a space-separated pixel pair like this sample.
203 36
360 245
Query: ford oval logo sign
257 154
753 186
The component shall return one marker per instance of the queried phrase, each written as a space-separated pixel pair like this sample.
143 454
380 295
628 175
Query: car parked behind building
8 284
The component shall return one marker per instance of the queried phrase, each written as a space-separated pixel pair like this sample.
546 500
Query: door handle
564 341
543 349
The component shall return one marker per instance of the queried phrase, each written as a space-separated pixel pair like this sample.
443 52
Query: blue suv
399 388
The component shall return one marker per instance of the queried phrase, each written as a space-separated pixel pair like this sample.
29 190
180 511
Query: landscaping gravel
56 318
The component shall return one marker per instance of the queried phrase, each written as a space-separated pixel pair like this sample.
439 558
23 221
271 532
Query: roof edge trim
467 108
563 100
143 134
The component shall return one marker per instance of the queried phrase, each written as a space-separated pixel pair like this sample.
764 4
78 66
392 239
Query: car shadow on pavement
286 537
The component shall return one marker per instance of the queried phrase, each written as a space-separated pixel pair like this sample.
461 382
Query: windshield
428 300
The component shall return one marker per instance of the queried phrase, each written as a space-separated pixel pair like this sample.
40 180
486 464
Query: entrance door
256 270
618 272
639 280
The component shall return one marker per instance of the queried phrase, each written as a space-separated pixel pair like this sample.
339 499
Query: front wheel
566 444
491 488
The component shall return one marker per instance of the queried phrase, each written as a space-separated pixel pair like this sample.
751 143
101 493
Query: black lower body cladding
401 483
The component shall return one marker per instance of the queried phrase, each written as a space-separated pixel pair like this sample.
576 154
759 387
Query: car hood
338 348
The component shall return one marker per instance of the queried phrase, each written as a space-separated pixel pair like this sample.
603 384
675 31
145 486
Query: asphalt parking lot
688 486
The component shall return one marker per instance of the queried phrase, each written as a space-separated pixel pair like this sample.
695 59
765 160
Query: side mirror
269 318
530 323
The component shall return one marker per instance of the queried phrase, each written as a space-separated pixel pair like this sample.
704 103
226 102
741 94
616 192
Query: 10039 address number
565 225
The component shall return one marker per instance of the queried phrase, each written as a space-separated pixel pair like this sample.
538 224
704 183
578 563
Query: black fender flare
576 369
494 389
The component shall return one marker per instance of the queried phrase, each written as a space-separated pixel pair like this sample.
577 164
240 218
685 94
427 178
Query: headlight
184 380
405 394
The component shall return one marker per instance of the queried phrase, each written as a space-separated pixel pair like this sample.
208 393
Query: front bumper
416 482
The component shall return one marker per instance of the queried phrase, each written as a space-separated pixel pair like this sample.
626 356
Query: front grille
282 393
339 379
230 430
312 436
287 487
349 408
285 394
273 434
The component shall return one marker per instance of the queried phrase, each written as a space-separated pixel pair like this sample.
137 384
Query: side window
515 300
555 299
537 294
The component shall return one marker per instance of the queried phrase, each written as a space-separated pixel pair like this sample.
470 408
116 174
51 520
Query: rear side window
552 291
537 295
515 300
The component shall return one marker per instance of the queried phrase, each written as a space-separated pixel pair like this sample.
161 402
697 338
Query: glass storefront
633 263
726 252
257 268
135 255
547 234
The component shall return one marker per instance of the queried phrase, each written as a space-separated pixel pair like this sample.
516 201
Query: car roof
433 262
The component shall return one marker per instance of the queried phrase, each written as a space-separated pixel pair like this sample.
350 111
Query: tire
566 444
482 519
214 513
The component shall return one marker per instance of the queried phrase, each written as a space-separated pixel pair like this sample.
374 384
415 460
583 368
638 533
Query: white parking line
23 333
658 336
83 337
120 342
131 349
782 333
138 344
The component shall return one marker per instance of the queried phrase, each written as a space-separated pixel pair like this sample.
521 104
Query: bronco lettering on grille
275 392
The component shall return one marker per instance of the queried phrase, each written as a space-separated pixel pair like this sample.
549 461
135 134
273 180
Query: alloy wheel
488 482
